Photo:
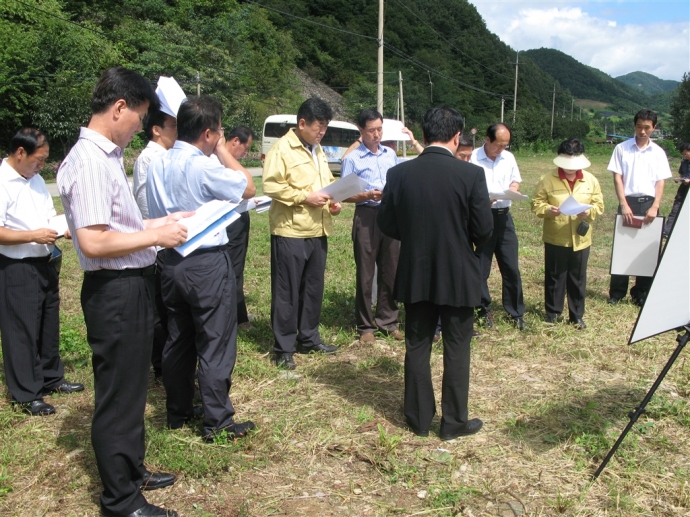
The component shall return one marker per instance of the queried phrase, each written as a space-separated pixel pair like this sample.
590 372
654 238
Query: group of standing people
428 226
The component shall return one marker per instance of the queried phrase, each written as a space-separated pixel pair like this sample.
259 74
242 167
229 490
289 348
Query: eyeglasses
221 129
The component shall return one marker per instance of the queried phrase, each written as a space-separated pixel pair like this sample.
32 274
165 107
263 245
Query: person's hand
171 235
627 214
176 216
68 235
651 215
220 144
583 215
316 199
335 208
44 236
686 180
375 195
407 132
554 211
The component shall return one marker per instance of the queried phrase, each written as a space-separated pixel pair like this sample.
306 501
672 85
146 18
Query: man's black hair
196 115
120 83
645 114
314 109
493 129
29 139
243 133
685 146
154 118
466 140
368 115
571 147
441 124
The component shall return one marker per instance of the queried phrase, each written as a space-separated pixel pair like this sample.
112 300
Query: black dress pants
30 327
565 270
160 320
618 286
297 271
238 235
504 244
118 311
199 293
372 248
420 404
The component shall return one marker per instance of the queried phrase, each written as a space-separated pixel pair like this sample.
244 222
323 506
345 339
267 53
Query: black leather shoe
156 480
284 361
519 323
578 324
66 387
321 348
197 413
613 300
148 510
236 430
639 301
486 320
471 427
35 407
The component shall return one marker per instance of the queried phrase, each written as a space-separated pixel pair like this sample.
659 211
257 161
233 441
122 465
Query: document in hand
636 251
510 195
345 188
392 131
573 207
209 219
260 204
59 224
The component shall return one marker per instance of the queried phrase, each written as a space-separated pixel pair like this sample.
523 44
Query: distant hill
648 83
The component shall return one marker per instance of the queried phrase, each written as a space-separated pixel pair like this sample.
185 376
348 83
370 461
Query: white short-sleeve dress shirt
500 173
640 168
141 168
25 204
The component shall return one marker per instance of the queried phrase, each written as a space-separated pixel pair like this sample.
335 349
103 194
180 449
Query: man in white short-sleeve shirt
502 174
639 168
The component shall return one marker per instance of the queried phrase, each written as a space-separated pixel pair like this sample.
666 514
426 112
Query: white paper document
573 207
209 220
59 224
345 188
260 204
636 250
392 131
510 195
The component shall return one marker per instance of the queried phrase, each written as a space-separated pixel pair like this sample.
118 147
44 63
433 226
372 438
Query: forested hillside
648 83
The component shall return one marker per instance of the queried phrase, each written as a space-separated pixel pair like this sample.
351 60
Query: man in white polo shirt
639 168
502 174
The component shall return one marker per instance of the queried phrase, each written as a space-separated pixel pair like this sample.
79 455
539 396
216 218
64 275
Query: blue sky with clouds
615 36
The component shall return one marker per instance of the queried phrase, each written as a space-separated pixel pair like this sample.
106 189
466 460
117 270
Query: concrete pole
402 109
553 108
503 108
379 84
517 59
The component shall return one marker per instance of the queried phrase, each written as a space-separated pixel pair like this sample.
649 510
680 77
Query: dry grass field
331 439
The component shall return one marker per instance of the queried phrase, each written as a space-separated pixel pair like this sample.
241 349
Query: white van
339 136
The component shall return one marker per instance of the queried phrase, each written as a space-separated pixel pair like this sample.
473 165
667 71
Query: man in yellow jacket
295 170
567 238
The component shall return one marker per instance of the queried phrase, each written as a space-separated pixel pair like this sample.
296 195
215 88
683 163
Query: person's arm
141 167
276 186
654 209
626 211
413 142
10 237
541 207
98 242
229 162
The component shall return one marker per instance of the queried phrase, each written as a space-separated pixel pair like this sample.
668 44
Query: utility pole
402 109
503 107
517 59
572 106
379 83
198 84
580 112
431 88
553 108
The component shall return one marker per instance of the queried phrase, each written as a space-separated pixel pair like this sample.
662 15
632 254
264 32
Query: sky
615 36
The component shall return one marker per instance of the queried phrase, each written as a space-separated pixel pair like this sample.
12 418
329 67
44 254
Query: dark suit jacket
438 208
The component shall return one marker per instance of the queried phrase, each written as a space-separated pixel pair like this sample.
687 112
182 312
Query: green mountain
648 83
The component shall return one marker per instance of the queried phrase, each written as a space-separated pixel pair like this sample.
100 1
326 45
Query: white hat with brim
572 163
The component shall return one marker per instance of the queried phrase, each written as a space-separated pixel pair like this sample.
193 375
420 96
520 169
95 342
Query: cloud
658 48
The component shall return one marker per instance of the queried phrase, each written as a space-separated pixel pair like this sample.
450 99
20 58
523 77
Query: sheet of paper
636 252
209 219
392 131
59 224
259 203
345 188
572 207
510 195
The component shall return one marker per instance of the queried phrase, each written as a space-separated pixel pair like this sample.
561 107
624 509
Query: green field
331 438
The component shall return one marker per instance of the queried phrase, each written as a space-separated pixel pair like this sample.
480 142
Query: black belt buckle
643 199
500 211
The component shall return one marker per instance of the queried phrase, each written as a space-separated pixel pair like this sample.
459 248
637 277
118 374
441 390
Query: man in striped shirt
371 161
116 249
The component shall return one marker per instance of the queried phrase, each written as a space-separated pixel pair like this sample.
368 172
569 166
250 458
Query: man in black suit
439 209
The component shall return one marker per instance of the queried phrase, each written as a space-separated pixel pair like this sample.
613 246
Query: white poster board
667 305
636 250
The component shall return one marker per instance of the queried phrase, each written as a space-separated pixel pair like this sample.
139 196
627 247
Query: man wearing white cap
567 239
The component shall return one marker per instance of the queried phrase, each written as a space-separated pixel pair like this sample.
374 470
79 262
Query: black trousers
504 244
372 248
30 327
118 311
565 270
199 293
238 235
618 287
420 404
297 270
677 204
160 320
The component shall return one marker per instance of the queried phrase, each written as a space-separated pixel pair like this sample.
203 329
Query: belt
639 199
122 273
500 211
369 206
28 259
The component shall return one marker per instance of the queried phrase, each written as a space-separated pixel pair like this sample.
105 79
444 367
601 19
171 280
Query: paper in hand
59 224
573 207
345 188
392 131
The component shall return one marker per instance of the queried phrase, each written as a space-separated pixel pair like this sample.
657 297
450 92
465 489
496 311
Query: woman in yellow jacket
567 239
